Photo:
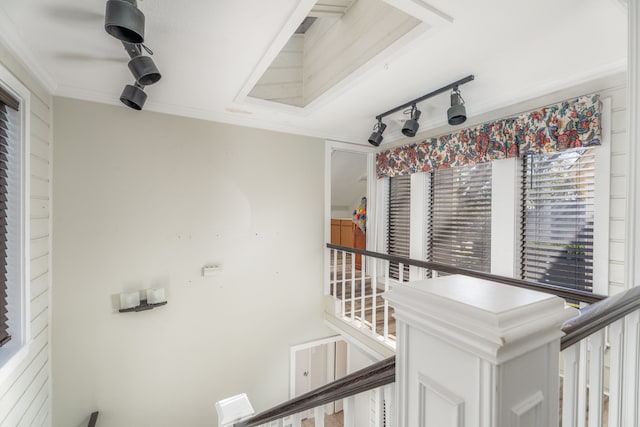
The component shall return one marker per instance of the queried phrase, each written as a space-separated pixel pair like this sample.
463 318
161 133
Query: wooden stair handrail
369 378
562 292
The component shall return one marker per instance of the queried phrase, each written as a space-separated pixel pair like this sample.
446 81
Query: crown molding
13 42
232 118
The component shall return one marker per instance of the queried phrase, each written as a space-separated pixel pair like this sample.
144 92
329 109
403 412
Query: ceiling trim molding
238 119
14 43
422 10
274 48
383 57
432 20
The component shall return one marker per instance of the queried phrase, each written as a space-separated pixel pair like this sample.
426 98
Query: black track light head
133 96
124 21
411 126
376 136
144 70
457 113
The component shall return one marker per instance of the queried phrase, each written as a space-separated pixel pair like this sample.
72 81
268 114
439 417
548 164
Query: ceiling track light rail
456 114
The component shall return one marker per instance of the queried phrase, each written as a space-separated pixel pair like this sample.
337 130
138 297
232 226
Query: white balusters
363 295
585 368
596 380
631 371
616 341
386 303
582 384
350 411
335 272
374 298
353 291
318 414
344 278
570 387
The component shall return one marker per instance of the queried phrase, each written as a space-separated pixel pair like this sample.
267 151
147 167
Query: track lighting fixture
411 126
456 114
376 136
124 21
144 70
133 96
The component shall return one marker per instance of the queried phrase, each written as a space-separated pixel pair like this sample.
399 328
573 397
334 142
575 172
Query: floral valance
569 124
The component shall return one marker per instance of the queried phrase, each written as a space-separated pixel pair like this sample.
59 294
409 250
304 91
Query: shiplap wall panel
617 193
39 266
41 417
39 247
25 394
24 382
39 188
39 148
36 386
39 284
39 209
40 110
39 127
39 303
282 81
39 227
350 43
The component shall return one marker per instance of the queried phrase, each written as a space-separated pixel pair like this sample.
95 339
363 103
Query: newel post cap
494 321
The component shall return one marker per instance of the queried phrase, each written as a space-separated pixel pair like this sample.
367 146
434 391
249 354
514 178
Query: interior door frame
330 147
292 357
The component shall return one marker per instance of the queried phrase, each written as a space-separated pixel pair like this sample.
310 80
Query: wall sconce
130 301
456 114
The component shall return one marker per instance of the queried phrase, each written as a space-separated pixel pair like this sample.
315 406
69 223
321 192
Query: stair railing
357 292
584 332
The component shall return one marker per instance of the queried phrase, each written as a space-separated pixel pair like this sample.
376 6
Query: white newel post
474 353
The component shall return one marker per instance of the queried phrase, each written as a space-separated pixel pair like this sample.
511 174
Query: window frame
16 350
506 213
450 202
602 198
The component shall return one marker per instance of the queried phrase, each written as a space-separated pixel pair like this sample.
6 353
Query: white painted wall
25 393
146 199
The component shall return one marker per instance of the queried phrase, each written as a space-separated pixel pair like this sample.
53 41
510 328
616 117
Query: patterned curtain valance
569 124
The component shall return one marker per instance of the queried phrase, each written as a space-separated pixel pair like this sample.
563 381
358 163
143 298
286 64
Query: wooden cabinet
345 232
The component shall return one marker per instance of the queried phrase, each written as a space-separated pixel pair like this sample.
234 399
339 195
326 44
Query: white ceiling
209 50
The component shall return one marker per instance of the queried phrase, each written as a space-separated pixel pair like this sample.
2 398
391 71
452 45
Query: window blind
399 210
6 102
558 217
459 231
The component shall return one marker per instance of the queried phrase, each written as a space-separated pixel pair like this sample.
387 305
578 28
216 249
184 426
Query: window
459 229
399 207
8 105
14 260
558 206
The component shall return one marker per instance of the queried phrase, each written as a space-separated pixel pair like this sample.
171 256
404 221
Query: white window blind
399 213
459 231
558 217
8 113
